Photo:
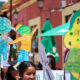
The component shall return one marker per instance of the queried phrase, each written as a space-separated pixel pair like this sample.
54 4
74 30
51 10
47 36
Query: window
34 47
67 18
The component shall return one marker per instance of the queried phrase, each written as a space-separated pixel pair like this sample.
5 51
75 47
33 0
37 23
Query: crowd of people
25 71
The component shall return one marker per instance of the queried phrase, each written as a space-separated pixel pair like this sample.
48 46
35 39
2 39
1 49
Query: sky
4 0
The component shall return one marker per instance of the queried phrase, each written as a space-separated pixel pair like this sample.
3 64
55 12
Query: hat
18 26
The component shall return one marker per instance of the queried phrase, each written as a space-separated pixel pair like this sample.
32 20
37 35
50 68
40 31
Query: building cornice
28 3
13 2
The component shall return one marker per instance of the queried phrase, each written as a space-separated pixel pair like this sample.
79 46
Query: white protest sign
58 75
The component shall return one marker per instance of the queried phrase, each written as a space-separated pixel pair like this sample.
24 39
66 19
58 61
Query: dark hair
23 66
2 74
51 61
8 74
39 66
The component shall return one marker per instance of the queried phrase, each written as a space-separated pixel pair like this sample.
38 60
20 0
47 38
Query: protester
37 63
12 74
27 70
4 73
51 62
9 73
0 75
39 66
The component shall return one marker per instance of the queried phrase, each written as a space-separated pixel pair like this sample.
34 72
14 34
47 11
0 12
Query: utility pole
11 23
11 11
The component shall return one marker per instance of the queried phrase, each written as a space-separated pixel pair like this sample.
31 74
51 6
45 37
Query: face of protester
29 73
15 74
5 69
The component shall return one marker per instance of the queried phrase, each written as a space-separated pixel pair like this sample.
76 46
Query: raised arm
10 39
15 41
18 39
34 30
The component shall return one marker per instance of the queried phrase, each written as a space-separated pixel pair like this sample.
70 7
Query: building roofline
26 4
